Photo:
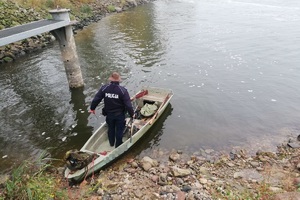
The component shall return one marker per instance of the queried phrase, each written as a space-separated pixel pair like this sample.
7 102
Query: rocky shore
204 175
12 14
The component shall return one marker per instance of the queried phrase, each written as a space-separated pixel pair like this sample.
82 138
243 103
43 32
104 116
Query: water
233 66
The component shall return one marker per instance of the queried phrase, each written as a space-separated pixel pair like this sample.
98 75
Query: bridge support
68 48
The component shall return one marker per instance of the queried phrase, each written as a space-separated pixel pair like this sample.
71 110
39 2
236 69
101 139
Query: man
116 103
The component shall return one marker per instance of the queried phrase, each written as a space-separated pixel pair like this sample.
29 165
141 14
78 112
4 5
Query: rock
276 189
203 181
209 151
230 164
232 155
254 164
198 194
248 174
100 191
155 178
149 160
146 163
7 59
146 166
118 9
163 177
203 170
179 181
132 3
288 196
275 178
179 151
180 195
175 188
296 181
186 188
3 178
298 166
134 164
260 169
138 194
178 172
174 157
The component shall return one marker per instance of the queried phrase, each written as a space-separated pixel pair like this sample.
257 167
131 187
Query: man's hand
92 111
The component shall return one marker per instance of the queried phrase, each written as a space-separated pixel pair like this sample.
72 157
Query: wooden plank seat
153 98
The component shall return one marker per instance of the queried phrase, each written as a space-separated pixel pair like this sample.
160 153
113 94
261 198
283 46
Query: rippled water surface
233 66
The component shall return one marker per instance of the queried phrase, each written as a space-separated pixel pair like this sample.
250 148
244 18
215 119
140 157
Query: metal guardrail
21 32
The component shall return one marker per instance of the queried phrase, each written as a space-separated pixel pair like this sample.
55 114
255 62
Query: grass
260 192
86 9
52 4
31 180
111 8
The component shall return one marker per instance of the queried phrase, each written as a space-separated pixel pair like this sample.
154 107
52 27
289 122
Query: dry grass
50 4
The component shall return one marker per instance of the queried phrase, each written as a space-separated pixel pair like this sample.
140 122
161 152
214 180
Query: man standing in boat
116 103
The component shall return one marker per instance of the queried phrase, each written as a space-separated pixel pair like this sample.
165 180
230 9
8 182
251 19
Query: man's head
115 76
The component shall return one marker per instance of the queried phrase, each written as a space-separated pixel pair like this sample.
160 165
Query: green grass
111 8
86 9
260 192
32 181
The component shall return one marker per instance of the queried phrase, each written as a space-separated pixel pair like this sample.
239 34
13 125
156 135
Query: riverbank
206 174
13 14
170 174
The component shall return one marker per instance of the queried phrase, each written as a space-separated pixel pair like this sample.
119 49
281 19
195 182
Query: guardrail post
68 48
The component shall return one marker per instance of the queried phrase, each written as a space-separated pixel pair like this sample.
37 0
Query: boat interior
99 143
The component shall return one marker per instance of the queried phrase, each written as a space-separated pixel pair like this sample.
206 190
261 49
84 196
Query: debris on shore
206 175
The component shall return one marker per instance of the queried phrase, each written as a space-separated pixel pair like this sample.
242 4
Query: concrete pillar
68 48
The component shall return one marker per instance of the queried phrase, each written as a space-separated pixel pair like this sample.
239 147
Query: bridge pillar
68 48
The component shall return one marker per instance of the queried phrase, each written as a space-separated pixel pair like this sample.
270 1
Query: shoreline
206 174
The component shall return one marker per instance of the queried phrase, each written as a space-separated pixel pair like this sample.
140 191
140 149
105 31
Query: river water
232 64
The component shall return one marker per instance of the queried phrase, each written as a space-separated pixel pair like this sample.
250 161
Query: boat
98 147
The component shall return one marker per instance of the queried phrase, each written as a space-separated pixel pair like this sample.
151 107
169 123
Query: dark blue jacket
116 99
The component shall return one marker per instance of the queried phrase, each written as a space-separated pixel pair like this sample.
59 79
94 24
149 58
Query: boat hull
98 142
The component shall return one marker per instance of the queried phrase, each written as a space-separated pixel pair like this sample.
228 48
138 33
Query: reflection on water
233 66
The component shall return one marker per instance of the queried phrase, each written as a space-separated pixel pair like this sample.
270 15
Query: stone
254 164
179 181
154 178
248 174
118 9
203 170
276 189
174 157
138 193
296 181
209 151
186 188
152 162
163 177
146 166
7 59
3 178
230 164
203 181
178 172
298 166
288 196
180 195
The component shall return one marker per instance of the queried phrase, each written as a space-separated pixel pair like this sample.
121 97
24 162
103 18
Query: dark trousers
116 125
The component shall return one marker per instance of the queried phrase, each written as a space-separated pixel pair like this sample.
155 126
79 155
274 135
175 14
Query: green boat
98 146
